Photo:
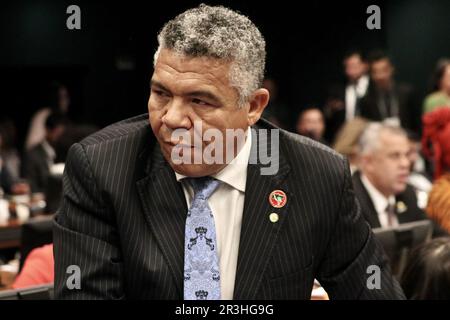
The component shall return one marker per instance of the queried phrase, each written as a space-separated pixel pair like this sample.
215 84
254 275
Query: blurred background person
419 177
436 145
38 268
381 184
6 180
310 123
436 140
8 147
8 185
347 138
41 158
55 100
440 91
427 274
388 99
438 207
10 182
343 102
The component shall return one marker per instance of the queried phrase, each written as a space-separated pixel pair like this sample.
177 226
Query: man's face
185 90
381 73
354 67
53 135
311 124
388 166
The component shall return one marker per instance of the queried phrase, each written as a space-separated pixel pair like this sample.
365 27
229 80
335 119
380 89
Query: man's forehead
389 135
189 64
353 58
393 141
178 72
382 63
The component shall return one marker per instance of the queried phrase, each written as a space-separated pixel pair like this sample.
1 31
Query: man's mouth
403 177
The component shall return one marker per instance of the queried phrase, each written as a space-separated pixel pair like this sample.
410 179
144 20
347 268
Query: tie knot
203 187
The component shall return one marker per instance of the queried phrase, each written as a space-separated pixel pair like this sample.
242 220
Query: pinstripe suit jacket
123 214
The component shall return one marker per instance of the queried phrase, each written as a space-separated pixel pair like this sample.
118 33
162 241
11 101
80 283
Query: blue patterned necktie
201 262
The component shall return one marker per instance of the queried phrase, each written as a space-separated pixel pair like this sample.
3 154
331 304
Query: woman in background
436 139
436 146
56 100
440 95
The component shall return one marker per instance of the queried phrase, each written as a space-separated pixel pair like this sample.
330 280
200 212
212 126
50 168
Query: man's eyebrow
154 83
205 94
196 93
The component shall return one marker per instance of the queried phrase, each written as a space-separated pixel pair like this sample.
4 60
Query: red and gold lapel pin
277 199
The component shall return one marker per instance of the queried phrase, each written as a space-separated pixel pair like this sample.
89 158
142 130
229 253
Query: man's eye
200 102
160 93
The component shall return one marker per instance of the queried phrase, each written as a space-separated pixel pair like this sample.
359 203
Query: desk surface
11 232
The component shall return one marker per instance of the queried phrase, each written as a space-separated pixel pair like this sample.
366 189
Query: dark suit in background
408 197
36 168
123 216
336 118
6 179
399 102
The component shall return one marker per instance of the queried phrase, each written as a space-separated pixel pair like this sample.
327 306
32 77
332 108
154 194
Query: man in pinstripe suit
123 215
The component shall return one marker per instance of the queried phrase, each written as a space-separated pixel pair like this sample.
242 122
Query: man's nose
176 115
405 161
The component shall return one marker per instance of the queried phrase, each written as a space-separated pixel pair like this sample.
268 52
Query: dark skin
189 89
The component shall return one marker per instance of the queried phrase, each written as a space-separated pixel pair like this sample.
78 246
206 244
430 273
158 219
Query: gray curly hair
219 33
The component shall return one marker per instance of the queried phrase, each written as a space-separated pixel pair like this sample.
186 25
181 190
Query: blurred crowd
28 170
397 145
31 182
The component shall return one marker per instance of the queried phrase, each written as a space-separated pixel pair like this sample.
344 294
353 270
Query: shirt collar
361 85
235 173
379 200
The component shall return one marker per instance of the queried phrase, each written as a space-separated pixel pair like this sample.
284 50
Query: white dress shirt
36 132
380 203
352 93
227 206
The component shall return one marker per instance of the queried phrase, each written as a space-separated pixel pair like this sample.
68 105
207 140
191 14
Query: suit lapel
258 233
407 214
165 209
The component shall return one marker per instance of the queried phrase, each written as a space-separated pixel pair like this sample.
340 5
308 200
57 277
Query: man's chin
196 170
400 187
191 169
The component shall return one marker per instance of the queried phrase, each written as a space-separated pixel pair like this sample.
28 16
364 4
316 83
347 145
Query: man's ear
366 162
257 104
